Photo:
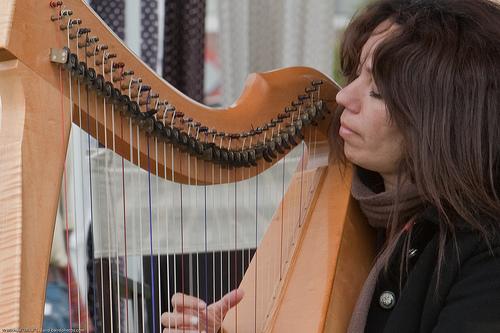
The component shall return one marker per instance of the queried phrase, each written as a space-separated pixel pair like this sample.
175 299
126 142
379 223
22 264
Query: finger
181 301
179 320
229 300
189 311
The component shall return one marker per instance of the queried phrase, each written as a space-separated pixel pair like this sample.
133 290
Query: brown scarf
377 205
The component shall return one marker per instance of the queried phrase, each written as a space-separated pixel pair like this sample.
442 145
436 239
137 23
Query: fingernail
194 320
202 304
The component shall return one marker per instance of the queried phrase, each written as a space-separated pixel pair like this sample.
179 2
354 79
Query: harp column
34 132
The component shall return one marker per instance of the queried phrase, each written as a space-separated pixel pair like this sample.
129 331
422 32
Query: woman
421 121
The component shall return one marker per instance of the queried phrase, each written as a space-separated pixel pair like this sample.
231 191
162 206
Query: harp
311 262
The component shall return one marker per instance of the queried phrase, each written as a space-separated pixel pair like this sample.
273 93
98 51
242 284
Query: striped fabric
184 46
182 52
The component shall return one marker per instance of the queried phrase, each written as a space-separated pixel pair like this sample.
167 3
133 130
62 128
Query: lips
345 130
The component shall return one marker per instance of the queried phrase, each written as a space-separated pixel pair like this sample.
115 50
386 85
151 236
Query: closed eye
375 95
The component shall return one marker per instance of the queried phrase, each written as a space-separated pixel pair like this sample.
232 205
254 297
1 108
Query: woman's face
371 140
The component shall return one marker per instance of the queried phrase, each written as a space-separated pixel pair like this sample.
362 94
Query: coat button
412 253
387 300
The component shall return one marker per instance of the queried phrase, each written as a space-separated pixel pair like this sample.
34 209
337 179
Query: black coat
467 297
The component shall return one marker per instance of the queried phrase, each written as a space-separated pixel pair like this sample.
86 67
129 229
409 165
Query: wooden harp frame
331 259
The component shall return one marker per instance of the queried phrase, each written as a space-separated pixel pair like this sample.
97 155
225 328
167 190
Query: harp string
174 256
205 239
283 203
82 217
235 243
73 174
167 229
235 218
214 266
125 261
271 276
115 220
197 188
229 208
221 291
301 185
108 203
141 247
190 190
292 217
166 222
199 229
99 202
256 244
136 246
183 287
65 193
68 268
91 202
310 146
296 224
153 306
158 224
138 264
65 200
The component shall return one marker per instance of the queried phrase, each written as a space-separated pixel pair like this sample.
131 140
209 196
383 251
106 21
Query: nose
347 98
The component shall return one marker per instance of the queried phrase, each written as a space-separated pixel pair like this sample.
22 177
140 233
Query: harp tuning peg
55 4
70 24
110 56
83 31
66 12
92 40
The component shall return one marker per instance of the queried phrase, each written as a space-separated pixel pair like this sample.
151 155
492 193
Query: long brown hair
439 75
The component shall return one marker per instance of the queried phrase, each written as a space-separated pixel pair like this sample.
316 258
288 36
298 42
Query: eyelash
372 93
375 95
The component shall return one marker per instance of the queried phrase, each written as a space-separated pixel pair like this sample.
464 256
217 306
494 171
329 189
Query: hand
192 314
